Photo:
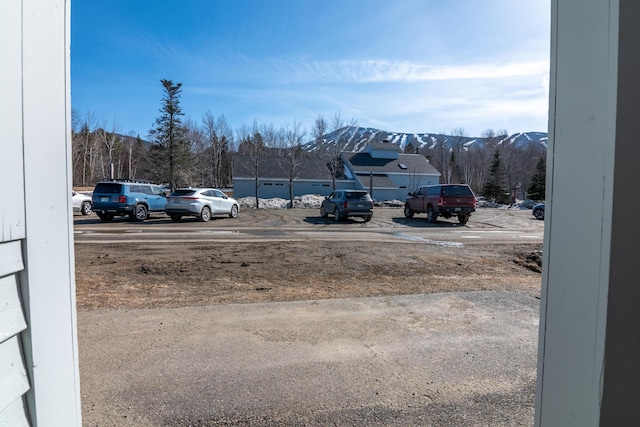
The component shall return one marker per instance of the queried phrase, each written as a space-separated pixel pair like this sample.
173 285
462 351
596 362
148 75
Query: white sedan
202 203
81 203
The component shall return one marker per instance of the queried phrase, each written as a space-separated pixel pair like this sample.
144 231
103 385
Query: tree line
494 167
180 152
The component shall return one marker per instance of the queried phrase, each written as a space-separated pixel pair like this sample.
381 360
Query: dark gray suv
345 203
134 198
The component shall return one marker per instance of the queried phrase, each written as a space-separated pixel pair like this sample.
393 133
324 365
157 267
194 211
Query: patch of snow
306 201
312 201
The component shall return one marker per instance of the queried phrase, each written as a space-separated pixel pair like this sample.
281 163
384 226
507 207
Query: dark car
127 197
538 211
445 200
345 203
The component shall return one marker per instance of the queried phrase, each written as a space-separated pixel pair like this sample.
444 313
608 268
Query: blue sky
400 66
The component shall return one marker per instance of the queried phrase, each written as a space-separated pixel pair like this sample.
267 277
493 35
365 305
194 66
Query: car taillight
122 199
475 201
440 201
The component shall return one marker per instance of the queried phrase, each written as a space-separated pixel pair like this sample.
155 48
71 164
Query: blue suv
134 198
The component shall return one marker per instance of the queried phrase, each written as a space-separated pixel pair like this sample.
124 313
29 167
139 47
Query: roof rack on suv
137 181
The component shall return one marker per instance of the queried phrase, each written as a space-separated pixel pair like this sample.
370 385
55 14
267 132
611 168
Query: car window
146 189
108 187
157 190
135 189
456 190
218 193
182 192
357 196
433 191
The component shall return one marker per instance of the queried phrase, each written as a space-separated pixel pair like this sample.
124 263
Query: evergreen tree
494 186
536 190
170 151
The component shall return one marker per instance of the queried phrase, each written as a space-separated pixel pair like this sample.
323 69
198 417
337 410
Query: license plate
458 209
360 205
104 199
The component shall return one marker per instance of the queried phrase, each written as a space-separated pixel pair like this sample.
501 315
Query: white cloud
374 71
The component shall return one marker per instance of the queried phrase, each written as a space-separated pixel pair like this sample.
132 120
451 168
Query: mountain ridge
355 138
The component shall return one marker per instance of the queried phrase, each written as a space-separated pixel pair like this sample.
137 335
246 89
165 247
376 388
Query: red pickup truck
444 200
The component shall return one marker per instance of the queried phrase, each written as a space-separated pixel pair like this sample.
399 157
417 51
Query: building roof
275 167
383 146
378 181
405 163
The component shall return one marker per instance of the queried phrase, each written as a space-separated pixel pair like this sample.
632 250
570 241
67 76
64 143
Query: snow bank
306 201
312 201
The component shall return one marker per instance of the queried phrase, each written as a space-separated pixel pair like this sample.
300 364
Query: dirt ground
423 354
193 274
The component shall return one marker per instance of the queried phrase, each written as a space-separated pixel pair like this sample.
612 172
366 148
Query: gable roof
382 146
377 181
275 167
415 164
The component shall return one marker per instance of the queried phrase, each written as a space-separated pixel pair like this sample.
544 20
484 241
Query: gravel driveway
443 359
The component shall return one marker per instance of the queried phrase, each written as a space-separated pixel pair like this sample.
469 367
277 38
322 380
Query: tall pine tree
494 187
537 189
170 151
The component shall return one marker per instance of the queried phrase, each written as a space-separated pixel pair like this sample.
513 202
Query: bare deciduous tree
219 137
341 131
253 146
111 140
84 148
293 152
319 129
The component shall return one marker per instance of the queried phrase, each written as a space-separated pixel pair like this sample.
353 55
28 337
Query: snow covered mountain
355 138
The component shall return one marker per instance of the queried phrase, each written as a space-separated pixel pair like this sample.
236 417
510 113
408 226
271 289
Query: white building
380 169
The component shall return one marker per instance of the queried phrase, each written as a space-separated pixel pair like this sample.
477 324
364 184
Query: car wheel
86 208
408 212
336 215
538 213
323 212
234 211
463 218
431 215
367 218
205 215
175 217
140 212
105 217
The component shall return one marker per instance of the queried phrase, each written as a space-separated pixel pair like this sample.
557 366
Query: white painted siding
39 376
11 214
12 320
10 258
14 378
579 176
13 375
